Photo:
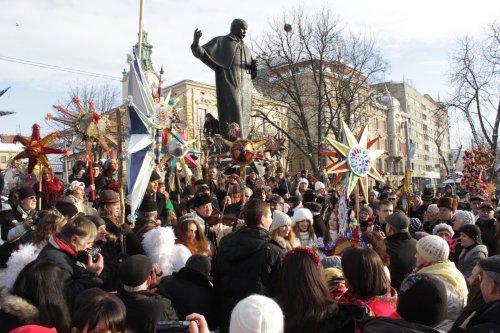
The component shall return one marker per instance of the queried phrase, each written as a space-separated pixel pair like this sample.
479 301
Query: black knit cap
473 232
98 221
135 270
422 300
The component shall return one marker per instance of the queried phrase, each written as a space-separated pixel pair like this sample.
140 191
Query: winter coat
132 244
394 325
486 319
190 291
76 278
15 311
345 320
145 309
247 263
488 234
470 257
401 247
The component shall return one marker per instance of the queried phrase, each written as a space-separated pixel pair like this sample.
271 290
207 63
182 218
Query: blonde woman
281 230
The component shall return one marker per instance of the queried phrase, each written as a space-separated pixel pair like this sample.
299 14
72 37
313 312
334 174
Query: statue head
239 28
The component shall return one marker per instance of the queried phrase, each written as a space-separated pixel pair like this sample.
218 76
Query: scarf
51 189
447 272
305 239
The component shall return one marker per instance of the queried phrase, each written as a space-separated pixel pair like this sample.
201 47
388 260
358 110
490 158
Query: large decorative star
35 148
357 160
86 126
243 152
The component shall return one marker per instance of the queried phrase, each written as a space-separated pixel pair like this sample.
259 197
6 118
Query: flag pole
139 48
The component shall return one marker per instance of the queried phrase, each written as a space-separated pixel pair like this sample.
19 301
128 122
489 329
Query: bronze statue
234 70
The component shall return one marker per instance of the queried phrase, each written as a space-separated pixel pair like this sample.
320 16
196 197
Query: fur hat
442 226
200 200
279 219
433 248
135 270
302 214
464 217
257 313
473 232
319 185
399 222
366 209
422 299
331 262
447 202
76 184
314 207
158 244
108 196
26 192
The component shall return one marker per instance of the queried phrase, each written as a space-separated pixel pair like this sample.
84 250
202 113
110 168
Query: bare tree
320 72
476 81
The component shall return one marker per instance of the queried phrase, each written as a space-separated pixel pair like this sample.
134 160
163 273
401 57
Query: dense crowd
239 255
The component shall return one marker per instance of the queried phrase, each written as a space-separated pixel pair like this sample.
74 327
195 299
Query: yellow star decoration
357 160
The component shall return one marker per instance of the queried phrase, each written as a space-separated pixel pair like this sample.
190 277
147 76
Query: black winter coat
76 277
15 311
190 292
389 325
486 319
488 234
145 309
401 248
247 263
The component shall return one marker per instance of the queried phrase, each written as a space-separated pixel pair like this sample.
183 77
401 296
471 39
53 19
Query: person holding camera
19 221
144 307
69 249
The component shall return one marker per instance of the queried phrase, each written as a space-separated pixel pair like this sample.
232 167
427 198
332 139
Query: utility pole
141 12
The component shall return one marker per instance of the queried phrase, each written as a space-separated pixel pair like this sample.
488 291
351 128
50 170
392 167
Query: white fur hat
303 180
256 314
442 226
319 185
464 217
279 219
433 248
302 214
75 184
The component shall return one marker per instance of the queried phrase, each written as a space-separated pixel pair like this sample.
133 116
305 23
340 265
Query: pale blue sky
94 35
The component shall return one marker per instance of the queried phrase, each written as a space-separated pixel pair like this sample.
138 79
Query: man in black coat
247 262
80 272
487 317
401 247
191 291
144 307
486 223
151 194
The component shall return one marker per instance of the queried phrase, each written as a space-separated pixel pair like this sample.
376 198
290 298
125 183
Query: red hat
33 329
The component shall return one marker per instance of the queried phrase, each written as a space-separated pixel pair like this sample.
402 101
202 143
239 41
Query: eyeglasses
392 199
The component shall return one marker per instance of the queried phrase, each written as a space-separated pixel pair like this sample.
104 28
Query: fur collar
18 307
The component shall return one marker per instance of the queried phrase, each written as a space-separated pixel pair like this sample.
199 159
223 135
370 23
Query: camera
172 326
92 251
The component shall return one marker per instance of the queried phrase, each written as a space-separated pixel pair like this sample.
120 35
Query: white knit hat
464 217
433 248
301 214
442 226
256 314
319 185
303 180
279 219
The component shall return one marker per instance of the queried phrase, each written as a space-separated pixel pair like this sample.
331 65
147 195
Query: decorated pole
120 165
39 201
141 14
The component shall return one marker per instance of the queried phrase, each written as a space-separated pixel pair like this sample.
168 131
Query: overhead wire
58 68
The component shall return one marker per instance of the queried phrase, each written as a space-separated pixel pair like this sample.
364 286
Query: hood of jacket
18 307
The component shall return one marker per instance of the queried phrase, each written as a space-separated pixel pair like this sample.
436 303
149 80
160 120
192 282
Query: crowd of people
245 255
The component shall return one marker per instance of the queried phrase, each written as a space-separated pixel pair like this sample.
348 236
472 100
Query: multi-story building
428 132
8 149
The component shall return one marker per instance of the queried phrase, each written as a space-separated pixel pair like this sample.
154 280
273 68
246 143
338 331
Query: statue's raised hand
197 36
